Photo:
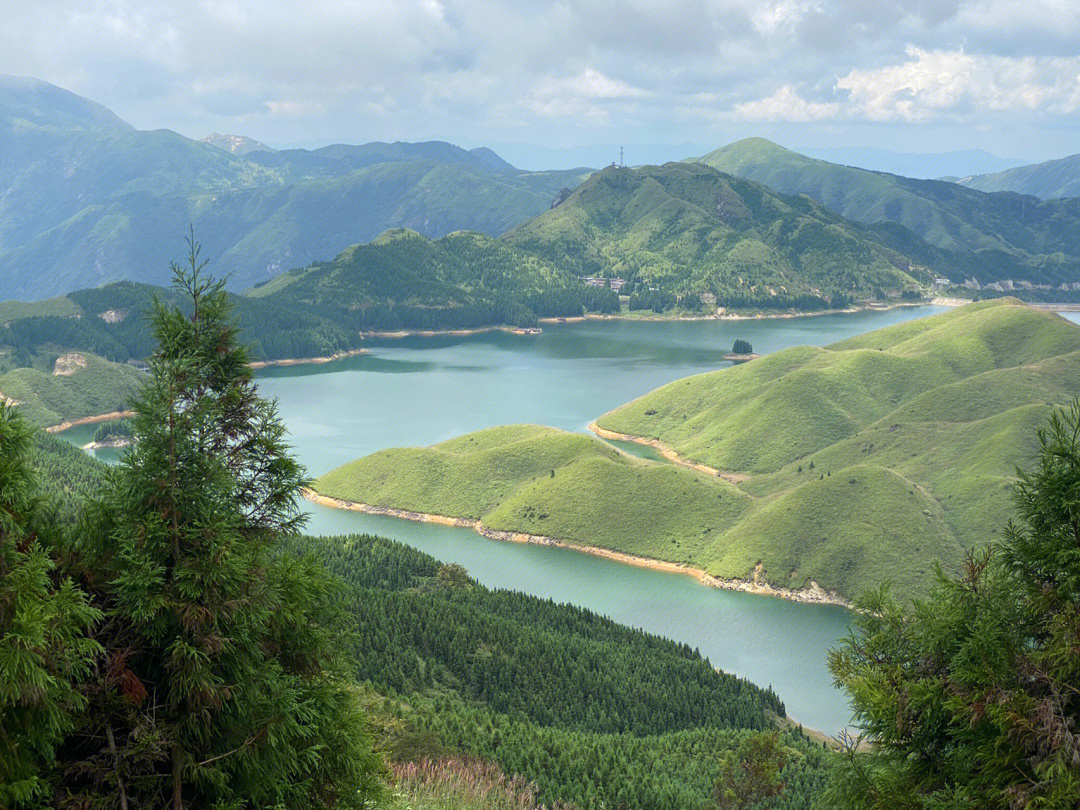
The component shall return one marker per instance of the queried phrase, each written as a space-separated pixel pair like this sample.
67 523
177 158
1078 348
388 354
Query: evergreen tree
44 649
220 685
973 697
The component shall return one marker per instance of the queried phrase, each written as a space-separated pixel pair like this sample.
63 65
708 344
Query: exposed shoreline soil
402 333
89 420
815 594
304 361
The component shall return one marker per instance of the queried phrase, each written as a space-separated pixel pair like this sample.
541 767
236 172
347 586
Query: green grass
914 433
13 310
47 399
539 480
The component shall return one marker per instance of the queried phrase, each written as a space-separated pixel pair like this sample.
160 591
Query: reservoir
422 390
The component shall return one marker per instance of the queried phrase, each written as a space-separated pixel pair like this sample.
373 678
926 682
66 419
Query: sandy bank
303 361
89 420
668 453
401 333
815 594
114 444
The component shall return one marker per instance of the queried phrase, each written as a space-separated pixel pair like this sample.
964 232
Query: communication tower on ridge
621 163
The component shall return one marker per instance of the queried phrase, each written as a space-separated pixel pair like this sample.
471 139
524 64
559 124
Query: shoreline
89 420
668 453
108 444
815 594
304 361
403 333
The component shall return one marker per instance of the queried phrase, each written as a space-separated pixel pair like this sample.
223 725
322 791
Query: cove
422 390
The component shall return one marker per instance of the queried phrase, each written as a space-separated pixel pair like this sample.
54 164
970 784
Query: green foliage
44 647
741 346
221 683
114 430
923 423
752 773
93 386
968 234
682 229
66 476
503 477
1054 178
589 711
970 698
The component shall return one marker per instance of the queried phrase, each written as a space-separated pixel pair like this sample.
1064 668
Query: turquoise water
417 391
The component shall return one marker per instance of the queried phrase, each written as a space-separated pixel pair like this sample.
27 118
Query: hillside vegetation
1051 179
865 461
968 233
87 199
688 229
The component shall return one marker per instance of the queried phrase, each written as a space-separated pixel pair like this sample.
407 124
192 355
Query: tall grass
462 783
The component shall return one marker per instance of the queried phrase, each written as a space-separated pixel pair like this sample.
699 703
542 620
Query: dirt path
668 453
89 420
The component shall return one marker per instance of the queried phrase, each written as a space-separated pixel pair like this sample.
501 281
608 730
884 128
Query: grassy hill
402 280
1048 180
985 236
689 229
87 199
861 462
76 385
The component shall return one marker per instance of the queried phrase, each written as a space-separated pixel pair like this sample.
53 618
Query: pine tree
44 648
222 684
973 697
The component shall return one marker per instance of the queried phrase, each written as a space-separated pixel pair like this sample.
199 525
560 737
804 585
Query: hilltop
689 229
86 199
841 467
988 237
1050 179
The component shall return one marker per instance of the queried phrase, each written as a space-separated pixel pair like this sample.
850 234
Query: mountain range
86 199
1049 180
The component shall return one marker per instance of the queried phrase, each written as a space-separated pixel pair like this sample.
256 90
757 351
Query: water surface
418 391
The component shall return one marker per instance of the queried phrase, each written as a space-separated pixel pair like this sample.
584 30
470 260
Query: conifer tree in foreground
44 648
972 699
221 684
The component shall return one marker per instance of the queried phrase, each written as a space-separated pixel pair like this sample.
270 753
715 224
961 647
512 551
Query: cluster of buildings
616 284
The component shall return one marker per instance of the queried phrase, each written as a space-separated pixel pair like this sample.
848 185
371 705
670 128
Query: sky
911 76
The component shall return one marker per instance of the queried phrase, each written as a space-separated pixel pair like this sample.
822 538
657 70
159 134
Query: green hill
402 280
989 237
864 461
1048 180
688 229
87 199
73 386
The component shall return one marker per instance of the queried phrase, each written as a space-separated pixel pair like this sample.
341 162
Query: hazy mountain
914 164
86 199
989 236
1049 180
236 144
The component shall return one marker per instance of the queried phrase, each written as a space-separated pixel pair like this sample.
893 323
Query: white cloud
786 105
932 84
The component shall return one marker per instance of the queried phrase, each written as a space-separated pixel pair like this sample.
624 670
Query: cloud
932 84
786 105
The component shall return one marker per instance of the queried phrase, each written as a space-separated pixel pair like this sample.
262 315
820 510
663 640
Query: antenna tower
621 162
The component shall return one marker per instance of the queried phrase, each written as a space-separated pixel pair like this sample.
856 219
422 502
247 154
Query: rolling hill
1049 180
988 237
841 467
689 229
86 199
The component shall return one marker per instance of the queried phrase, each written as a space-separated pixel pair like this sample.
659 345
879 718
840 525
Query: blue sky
916 76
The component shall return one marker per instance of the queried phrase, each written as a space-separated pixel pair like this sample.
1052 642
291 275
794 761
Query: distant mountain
236 144
689 229
988 237
86 199
1050 180
914 164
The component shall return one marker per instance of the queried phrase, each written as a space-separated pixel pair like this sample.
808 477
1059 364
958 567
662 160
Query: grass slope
865 461
986 236
947 404
539 480
689 229
1049 180
48 399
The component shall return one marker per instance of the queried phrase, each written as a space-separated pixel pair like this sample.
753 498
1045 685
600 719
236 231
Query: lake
418 391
